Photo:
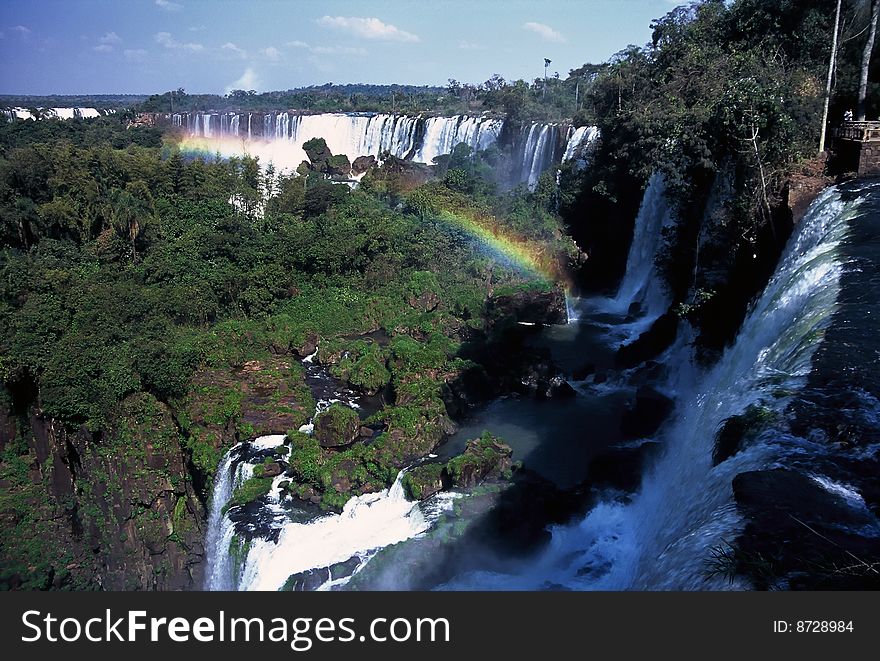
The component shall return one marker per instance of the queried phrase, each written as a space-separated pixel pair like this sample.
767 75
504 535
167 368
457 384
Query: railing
860 131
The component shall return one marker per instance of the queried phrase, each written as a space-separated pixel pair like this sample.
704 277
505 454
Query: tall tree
866 59
831 64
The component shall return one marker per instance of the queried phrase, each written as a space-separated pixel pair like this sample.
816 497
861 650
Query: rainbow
533 257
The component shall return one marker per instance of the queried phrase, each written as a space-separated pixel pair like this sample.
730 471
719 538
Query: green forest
149 300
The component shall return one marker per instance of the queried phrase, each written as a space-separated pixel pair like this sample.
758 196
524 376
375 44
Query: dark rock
338 166
581 373
621 468
427 301
308 346
535 307
485 458
272 469
362 164
317 151
648 412
424 481
649 344
312 579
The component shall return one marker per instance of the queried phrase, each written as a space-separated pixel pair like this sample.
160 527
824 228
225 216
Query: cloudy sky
142 46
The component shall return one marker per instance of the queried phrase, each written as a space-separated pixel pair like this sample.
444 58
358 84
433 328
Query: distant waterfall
54 113
664 536
278 137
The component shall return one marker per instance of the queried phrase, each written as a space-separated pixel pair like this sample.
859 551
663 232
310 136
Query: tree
866 59
831 65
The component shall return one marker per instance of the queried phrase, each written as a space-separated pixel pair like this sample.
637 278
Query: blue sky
145 46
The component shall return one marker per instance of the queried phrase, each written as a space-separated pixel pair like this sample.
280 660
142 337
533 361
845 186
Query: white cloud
544 31
367 28
165 39
469 45
111 38
248 81
103 48
135 54
271 53
167 5
22 31
327 50
198 28
337 50
232 48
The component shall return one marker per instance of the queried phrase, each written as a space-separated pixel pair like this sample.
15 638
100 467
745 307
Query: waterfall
580 142
54 113
278 138
640 283
663 537
367 523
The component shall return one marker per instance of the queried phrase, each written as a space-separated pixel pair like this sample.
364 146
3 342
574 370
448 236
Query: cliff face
123 508
109 510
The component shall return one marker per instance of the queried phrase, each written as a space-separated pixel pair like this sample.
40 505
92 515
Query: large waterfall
279 136
663 537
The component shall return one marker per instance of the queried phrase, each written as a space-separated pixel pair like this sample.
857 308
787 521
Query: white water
664 536
580 141
59 113
278 137
367 523
640 283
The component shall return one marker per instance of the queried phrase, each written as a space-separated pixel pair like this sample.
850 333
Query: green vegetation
249 490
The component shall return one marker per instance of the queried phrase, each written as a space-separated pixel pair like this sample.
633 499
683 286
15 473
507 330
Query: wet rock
272 469
647 413
621 468
649 344
312 579
308 345
484 458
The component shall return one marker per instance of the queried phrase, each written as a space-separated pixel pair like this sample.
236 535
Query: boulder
484 459
424 481
338 426
362 164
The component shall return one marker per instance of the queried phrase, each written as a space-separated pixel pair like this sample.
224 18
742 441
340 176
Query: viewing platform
857 147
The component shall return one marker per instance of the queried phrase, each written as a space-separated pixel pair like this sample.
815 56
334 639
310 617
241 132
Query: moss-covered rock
249 491
483 459
338 426
424 481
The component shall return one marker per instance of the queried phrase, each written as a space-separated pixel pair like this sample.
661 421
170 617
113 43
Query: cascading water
259 546
580 142
663 538
640 286
640 283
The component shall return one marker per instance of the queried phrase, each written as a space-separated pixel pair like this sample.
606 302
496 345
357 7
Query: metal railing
860 131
